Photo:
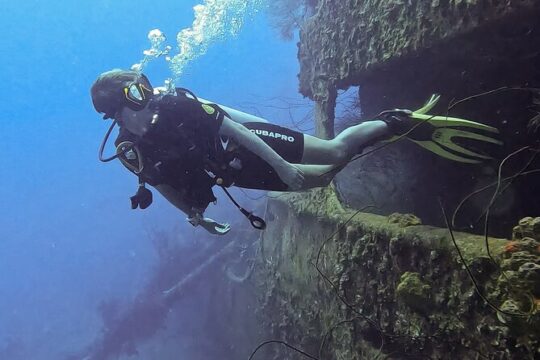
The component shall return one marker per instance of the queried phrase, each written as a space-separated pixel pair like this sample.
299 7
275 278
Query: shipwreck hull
400 52
387 288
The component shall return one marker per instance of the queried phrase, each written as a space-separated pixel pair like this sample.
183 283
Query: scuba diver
183 146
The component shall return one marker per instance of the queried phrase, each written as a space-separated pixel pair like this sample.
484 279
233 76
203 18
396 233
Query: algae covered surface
347 40
344 284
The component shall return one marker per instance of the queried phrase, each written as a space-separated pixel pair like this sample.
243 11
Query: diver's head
117 89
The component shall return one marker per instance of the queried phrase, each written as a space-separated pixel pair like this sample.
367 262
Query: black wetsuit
184 150
176 149
257 173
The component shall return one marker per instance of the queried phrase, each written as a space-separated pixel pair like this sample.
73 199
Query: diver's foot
449 137
400 122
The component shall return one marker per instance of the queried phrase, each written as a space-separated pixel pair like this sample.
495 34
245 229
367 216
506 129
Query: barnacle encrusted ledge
397 50
403 290
346 40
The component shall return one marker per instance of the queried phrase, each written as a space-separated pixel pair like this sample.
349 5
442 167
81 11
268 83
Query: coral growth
412 291
404 220
403 285
519 283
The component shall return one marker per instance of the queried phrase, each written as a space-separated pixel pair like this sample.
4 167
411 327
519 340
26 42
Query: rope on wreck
284 344
469 272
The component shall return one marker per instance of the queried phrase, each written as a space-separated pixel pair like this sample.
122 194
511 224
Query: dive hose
104 143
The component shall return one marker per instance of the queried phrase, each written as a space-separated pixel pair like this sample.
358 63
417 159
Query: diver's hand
291 175
213 227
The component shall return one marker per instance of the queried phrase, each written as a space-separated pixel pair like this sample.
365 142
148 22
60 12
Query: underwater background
363 269
69 238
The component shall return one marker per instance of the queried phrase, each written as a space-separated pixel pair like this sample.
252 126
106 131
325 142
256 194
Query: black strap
189 92
255 221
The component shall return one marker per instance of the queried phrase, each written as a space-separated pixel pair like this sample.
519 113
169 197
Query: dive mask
137 96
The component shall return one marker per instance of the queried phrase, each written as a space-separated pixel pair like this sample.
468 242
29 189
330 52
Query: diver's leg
318 175
344 146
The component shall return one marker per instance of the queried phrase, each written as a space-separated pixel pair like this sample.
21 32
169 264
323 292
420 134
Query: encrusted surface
400 52
352 37
403 284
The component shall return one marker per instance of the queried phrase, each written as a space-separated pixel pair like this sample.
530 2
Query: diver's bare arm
289 173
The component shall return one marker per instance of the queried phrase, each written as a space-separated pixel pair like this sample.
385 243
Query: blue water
68 237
